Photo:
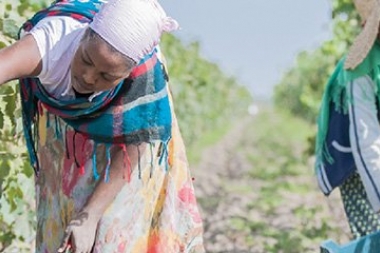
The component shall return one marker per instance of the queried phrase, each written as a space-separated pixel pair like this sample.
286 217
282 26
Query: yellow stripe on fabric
42 128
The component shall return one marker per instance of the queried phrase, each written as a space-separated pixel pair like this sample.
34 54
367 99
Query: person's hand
80 234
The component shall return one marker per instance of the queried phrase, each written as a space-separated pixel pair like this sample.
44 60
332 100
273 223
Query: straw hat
369 11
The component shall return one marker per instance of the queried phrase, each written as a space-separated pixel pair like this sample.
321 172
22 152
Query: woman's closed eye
109 78
85 61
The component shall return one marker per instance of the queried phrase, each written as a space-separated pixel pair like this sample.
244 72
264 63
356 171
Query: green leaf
10 105
8 7
4 169
1 189
27 169
10 28
1 119
2 45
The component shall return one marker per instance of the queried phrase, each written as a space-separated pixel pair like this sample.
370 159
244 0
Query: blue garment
332 175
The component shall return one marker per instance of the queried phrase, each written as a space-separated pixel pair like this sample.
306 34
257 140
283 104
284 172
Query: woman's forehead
101 54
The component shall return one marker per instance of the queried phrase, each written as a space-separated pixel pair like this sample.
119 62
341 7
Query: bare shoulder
20 59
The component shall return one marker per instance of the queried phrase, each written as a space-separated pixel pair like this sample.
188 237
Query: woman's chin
78 88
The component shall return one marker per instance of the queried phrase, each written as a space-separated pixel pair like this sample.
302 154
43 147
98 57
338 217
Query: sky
254 40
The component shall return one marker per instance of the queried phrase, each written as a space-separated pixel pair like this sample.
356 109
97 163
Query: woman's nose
89 77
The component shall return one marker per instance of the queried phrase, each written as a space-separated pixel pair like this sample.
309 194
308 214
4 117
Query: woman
348 140
111 169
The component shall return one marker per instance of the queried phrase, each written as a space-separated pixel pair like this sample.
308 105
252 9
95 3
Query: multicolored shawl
136 111
335 94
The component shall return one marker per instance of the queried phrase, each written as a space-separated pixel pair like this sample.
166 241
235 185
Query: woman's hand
80 234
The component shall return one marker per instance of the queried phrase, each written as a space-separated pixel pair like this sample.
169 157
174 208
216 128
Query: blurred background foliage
206 100
301 87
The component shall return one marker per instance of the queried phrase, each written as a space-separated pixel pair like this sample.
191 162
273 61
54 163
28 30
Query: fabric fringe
67 143
151 160
74 150
108 165
79 164
94 168
58 130
34 146
47 119
163 154
35 132
126 162
82 165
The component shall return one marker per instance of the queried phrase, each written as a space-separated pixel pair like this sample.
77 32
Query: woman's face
96 67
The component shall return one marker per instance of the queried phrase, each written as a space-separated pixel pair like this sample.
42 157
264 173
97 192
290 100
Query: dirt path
244 211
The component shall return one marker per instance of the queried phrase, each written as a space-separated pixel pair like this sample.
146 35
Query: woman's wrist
92 213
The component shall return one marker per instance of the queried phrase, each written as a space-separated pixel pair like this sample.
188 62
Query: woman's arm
20 59
82 229
106 192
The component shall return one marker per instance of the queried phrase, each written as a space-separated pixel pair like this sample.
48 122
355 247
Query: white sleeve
365 136
48 34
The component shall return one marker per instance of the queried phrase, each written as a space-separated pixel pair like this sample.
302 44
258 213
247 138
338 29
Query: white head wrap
133 27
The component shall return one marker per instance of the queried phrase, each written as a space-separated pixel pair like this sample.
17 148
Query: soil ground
257 191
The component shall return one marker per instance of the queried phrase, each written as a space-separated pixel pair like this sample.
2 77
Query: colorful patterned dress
155 212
